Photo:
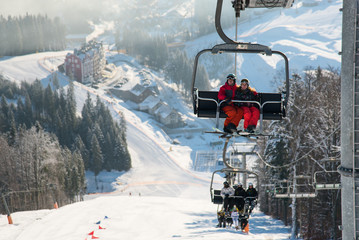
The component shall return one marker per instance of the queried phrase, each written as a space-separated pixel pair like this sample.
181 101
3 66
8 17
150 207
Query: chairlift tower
349 168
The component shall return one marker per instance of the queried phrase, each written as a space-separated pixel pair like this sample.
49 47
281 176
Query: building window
77 65
75 60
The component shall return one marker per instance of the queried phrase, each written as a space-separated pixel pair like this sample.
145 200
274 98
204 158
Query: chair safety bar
218 106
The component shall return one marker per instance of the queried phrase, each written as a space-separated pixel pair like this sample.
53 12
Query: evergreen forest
306 144
46 147
30 34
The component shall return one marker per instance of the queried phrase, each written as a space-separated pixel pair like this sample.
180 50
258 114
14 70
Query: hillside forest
46 147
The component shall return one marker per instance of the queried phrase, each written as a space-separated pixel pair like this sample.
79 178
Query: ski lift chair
272 106
325 186
232 170
288 191
216 196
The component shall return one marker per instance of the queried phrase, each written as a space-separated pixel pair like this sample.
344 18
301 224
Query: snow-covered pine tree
96 155
308 134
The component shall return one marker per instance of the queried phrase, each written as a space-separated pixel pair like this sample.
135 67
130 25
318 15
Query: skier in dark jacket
252 195
234 113
240 194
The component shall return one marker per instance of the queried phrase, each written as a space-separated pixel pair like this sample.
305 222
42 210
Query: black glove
227 195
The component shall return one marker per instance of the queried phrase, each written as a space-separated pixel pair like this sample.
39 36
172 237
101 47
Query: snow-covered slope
134 217
160 195
308 33
159 198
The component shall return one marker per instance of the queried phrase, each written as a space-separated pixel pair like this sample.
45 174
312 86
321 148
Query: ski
236 134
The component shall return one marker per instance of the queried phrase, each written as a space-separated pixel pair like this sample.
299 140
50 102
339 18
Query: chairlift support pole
225 159
242 170
350 121
244 177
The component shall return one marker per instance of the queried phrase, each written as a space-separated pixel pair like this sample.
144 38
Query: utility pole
349 100
244 177
294 205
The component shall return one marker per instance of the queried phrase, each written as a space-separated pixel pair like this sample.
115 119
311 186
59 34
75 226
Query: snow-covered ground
134 217
161 197
309 34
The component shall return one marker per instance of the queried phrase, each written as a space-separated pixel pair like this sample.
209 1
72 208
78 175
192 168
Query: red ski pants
251 116
234 114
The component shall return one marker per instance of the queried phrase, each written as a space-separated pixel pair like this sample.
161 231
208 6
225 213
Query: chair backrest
207 109
271 111
217 198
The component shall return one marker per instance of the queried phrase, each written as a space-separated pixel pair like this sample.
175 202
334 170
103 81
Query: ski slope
134 217
159 198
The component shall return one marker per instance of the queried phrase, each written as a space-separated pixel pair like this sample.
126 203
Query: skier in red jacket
250 110
234 113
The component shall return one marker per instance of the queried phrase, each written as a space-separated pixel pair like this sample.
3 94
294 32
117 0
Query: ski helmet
231 76
226 183
245 80
250 184
240 184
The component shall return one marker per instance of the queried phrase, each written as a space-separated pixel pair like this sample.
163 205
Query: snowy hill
168 199
161 171
309 34
160 195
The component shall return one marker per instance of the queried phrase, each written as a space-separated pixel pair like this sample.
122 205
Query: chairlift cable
316 161
272 166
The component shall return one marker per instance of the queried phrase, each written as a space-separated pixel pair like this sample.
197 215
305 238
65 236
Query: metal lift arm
239 5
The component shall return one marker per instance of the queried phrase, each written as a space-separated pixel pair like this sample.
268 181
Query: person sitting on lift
226 192
252 195
250 110
240 194
234 113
